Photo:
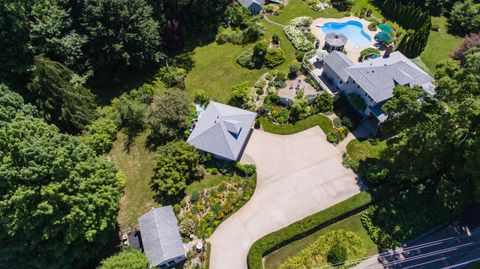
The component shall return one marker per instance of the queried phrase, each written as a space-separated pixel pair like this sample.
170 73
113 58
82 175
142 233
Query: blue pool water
353 30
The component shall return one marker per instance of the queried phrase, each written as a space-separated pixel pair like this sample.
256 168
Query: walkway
272 22
297 175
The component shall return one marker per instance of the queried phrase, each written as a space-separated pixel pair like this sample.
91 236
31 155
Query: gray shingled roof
338 61
379 76
222 130
248 3
160 235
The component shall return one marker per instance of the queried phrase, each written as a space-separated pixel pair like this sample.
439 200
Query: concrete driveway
297 175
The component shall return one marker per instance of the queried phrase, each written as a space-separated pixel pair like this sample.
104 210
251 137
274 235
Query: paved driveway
297 175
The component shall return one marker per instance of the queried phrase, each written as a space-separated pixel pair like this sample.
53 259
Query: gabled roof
379 76
248 3
160 235
338 62
222 130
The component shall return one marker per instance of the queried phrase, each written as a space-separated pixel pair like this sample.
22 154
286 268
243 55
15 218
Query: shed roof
222 130
379 76
160 235
338 62
248 3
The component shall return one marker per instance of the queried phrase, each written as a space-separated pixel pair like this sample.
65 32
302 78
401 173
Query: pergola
334 41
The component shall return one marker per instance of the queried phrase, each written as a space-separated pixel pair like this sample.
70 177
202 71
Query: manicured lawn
418 61
137 165
286 129
216 71
297 8
440 44
359 151
353 224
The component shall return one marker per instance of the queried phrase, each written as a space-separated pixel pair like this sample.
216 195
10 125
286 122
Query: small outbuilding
254 6
334 41
223 131
161 238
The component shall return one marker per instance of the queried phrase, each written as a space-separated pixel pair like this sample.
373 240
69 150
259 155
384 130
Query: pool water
353 30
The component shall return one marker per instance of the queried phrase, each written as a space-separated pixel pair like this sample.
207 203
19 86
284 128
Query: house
254 6
223 131
161 239
374 80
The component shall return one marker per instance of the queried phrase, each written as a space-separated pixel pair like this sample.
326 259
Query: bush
128 258
299 55
298 39
100 135
172 76
367 52
342 5
241 97
302 21
324 102
347 123
260 91
274 57
275 39
195 196
187 227
293 72
337 254
298 229
246 59
260 83
372 26
435 28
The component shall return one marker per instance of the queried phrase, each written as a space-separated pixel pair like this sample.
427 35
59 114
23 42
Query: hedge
207 258
308 225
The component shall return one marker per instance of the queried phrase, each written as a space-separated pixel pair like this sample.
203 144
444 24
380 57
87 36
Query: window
163 266
366 94
341 82
171 262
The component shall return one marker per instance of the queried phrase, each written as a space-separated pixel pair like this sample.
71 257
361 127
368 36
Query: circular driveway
297 175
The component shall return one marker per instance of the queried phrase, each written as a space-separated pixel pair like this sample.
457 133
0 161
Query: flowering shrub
301 21
298 39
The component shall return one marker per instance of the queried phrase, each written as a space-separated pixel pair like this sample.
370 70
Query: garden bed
285 129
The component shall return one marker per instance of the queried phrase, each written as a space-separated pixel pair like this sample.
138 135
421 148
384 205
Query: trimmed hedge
207 259
301 228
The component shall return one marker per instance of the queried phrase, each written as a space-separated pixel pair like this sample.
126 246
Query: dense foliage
465 17
470 45
331 248
61 99
127 259
59 201
298 39
168 117
411 17
176 167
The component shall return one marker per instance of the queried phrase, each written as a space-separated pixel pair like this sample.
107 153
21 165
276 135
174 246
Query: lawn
359 151
286 129
297 8
137 165
440 44
352 223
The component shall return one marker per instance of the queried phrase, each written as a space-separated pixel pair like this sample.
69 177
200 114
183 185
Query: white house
374 79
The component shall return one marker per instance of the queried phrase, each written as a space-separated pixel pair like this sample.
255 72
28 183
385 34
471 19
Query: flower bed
301 21
298 39
202 212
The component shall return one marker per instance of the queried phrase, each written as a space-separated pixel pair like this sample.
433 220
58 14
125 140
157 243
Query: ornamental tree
127 259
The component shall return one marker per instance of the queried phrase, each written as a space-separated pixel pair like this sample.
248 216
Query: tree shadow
113 245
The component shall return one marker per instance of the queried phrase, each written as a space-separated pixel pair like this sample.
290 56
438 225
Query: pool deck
352 52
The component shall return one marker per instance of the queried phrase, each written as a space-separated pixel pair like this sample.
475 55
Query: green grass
286 129
208 182
359 151
297 8
352 224
137 165
418 61
440 44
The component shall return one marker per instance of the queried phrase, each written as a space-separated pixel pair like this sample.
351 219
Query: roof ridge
158 232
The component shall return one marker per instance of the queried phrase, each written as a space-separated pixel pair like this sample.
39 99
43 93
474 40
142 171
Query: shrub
260 83
195 196
187 227
367 52
342 5
324 102
100 135
128 258
172 76
302 21
372 26
274 57
241 97
347 123
293 72
246 169
260 91
298 39
337 254
298 229
435 28
275 39
245 59
337 122
299 55
357 101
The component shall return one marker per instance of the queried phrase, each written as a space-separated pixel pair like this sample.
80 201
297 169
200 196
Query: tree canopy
59 201
127 259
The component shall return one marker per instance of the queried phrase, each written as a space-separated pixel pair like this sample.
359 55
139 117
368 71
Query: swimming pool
353 30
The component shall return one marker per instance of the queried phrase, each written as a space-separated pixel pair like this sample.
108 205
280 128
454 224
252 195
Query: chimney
388 51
